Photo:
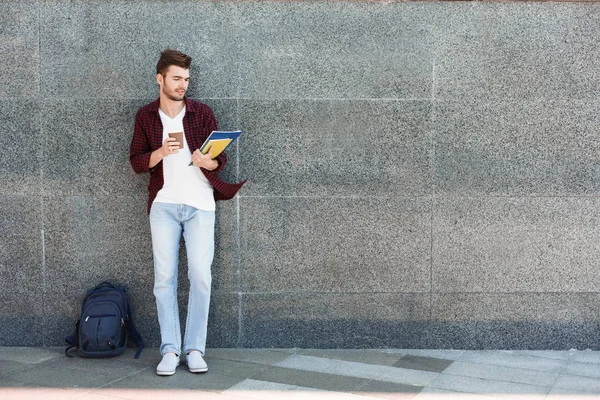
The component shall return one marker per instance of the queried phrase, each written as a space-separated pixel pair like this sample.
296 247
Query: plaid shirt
198 122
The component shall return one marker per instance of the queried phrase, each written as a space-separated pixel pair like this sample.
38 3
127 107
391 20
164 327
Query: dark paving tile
30 355
311 379
255 356
236 369
10 366
423 363
183 379
149 357
74 372
389 390
6 381
361 356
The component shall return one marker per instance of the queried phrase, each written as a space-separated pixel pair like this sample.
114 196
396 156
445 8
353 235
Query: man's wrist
214 164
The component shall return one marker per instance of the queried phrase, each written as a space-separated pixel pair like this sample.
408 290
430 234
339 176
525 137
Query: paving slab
310 379
423 363
348 368
444 354
236 369
74 372
591 370
554 354
441 394
362 356
388 390
263 390
10 366
487 386
183 379
508 359
570 384
257 356
277 391
162 394
318 374
29 355
52 394
501 373
586 356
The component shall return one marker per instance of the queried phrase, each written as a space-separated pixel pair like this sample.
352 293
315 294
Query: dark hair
172 57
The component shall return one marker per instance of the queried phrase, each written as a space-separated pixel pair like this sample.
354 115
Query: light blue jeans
167 223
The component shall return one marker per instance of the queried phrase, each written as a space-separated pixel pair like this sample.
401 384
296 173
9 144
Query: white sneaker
168 365
195 362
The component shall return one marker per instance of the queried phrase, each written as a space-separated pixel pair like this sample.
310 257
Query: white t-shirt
184 184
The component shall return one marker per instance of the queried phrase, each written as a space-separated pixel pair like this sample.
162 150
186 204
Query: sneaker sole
167 373
197 370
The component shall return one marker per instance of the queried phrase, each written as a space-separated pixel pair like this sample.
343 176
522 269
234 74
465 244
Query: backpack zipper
102 316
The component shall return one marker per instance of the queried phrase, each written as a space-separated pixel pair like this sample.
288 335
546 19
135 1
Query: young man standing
181 201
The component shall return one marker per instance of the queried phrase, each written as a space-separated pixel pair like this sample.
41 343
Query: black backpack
105 324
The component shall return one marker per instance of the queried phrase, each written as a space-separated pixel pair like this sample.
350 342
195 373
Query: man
181 201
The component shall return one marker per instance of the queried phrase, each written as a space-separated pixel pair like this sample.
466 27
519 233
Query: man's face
174 82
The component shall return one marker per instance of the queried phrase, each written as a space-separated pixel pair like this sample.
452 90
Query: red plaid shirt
198 122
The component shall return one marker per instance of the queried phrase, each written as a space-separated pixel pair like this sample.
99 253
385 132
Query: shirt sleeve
140 150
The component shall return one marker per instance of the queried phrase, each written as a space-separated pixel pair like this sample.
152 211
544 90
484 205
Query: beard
173 97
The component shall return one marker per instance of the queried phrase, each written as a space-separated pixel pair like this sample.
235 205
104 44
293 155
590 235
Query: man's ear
159 79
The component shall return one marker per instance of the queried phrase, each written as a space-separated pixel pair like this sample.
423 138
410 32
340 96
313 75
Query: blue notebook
218 141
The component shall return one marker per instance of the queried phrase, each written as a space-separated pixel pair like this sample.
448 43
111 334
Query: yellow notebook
218 142
217 146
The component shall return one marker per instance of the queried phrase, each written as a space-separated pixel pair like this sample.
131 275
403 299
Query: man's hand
170 146
204 160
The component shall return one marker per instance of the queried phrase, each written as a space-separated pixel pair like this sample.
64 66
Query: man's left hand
204 160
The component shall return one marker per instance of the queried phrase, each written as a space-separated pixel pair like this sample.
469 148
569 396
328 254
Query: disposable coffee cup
178 137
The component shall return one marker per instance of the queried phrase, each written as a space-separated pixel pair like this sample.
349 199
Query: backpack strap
133 332
104 284
67 351
72 340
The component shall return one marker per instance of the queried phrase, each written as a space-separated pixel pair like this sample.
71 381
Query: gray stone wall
420 174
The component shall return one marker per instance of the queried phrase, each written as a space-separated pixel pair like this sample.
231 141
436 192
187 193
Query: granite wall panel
421 174
335 245
91 239
22 272
518 320
21 144
527 148
86 151
107 50
22 277
518 51
328 50
19 46
515 245
329 148
336 320
225 267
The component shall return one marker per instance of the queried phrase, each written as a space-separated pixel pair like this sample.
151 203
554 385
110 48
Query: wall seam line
433 188
238 258
41 154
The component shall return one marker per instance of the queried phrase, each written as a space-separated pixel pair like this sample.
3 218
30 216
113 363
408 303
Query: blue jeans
167 223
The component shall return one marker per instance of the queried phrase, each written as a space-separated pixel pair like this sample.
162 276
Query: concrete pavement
242 374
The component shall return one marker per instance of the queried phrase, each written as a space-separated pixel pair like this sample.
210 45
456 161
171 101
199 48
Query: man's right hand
170 146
